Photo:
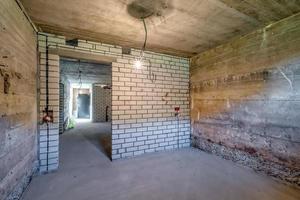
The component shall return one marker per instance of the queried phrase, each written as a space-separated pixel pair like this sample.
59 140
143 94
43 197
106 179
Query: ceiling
88 72
179 27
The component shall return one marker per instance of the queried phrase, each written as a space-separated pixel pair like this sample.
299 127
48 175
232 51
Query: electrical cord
79 75
146 34
47 102
145 41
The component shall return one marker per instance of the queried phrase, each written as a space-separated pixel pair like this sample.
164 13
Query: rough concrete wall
101 104
143 100
18 119
245 100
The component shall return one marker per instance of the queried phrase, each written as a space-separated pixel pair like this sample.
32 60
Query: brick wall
48 134
65 100
142 107
18 134
245 100
101 104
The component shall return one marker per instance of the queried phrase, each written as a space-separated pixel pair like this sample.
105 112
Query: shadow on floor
98 134
102 141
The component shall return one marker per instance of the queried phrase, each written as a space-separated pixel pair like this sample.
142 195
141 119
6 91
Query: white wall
143 100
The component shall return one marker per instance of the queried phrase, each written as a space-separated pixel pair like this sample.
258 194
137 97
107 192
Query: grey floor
86 173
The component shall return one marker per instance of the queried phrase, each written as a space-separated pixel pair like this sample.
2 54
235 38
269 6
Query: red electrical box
177 109
48 116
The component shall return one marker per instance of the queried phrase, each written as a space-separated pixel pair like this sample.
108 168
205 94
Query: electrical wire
145 41
146 34
79 75
47 102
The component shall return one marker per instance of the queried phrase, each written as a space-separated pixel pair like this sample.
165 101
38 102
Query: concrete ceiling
181 27
89 72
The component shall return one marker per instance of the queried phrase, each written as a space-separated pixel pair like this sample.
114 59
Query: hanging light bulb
138 63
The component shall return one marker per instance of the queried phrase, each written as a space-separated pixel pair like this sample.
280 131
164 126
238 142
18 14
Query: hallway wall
18 118
101 104
245 102
143 100
65 100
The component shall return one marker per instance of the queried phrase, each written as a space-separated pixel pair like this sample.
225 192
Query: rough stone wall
101 100
18 119
245 100
143 100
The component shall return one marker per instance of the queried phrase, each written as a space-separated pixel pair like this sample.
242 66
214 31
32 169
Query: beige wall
18 119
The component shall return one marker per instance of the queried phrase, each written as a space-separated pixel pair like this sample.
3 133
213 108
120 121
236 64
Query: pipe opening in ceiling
142 9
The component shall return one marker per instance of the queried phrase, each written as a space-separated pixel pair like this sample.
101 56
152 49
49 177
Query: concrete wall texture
143 100
245 100
18 135
101 104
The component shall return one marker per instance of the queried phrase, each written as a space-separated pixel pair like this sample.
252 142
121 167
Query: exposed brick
140 106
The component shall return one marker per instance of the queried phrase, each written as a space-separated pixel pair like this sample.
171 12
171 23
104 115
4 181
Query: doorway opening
84 109
80 102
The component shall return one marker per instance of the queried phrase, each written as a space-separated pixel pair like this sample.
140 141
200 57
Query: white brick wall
48 137
101 99
142 107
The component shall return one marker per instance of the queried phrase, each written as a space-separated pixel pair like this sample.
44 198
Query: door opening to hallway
85 110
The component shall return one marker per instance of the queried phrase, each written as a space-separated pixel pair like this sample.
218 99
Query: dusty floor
86 173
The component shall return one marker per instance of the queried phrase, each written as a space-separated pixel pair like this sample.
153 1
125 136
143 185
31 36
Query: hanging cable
80 81
146 34
139 60
145 41
79 75
47 102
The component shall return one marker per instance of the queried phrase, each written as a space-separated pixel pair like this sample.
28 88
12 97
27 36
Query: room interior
162 99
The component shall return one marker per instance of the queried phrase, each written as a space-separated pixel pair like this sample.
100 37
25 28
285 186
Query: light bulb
138 64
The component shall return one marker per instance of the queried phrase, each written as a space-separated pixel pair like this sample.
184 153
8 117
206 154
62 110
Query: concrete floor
86 173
